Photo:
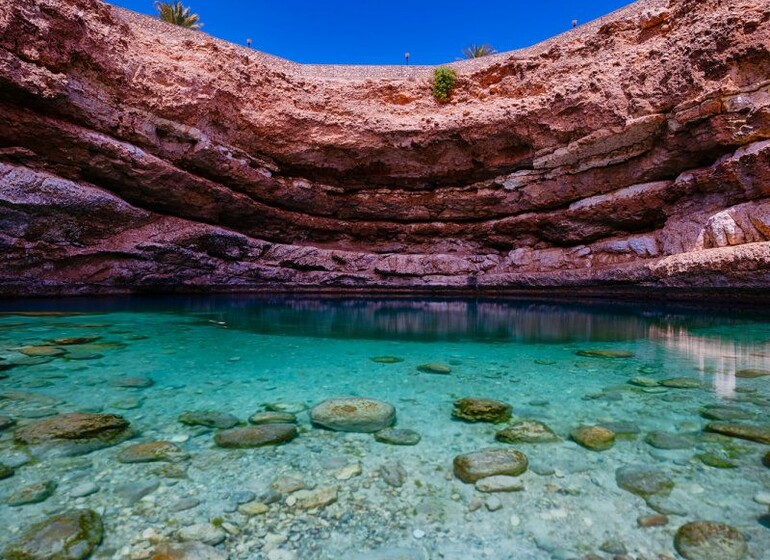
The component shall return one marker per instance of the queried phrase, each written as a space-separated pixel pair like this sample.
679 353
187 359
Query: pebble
315 499
271 417
493 503
418 533
202 532
132 492
595 438
184 504
499 483
471 467
440 369
348 472
133 382
397 436
762 498
253 508
288 484
79 532
208 418
709 540
393 474
658 520
353 414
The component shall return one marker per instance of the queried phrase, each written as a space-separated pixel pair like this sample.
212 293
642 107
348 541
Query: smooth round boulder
386 359
353 414
595 438
471 467
526 431
42 351
709 540
256 436
397 436
481 410
209 419
152 451
32 494
72 535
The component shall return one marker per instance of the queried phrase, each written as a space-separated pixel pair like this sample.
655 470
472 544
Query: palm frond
176 13
477 51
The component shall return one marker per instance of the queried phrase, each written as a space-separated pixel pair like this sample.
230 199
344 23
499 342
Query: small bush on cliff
444 79
478 51
176 13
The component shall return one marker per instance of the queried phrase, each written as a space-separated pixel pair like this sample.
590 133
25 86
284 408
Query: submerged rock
256 436
69 536
595 438
760 434
6 422
75 433
668 440
393 474
187 551
499 483
202 532
605 354
152 451
270 417
726 413
440 369
766 459
644 481
386 359
32 494
682 383
5 471
294 408
716 461
471 467
209 419
622 428
527 431
75 340
708 540
42 351
133 382
752 373
481 410
397 436
353 414
315 499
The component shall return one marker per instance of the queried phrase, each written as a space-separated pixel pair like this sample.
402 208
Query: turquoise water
235 355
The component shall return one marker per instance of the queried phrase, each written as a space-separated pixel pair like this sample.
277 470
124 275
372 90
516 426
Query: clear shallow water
235 354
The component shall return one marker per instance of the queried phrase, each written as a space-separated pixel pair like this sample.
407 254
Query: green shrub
444 79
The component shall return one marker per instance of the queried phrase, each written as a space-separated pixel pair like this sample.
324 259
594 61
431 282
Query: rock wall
633 153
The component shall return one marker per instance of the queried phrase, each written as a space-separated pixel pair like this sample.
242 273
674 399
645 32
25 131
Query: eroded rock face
629 152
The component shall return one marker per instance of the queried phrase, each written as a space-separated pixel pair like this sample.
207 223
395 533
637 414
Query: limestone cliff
137 156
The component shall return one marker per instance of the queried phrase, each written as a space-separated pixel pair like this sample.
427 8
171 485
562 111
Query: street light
248 43
406 57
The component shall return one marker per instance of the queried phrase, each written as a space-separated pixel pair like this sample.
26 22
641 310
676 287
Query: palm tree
176 13
477 51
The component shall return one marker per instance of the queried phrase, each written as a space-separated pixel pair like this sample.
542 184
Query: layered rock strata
137 156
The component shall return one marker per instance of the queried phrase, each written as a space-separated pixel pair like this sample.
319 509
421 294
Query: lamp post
248 43
406 57
574 23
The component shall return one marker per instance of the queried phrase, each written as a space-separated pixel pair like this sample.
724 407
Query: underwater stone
42 351
708 540
766 459
202 532
397 436
760 434
5 471
271 417
353 414
668 440
714 460
724 412
393 474
644 481
657 520
605 354
32 494
622 429
187 551
69 536
682 383
499 483
75 433
208 418
752 373
6 422
471 467
386 359
481 410
315 499
294 408
526 431
256 436
643 382
74 340
133 382
595 438
440 369
151 451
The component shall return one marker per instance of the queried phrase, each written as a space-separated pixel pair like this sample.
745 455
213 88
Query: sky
378 32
